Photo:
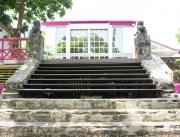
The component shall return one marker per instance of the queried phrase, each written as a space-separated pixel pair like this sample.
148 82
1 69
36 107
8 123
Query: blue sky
161 17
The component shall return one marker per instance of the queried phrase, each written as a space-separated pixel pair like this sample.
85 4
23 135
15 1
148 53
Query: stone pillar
36 47
142 41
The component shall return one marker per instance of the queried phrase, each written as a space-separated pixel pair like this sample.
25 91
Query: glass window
61 40
99 40
117 44
79 41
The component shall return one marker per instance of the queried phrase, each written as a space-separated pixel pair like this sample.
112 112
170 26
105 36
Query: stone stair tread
89 124
92 84
140 111
93 79
90 90
89 74
92 64
90 103
97 71
110 91
82 129
6 73
3 78
120 60
88 67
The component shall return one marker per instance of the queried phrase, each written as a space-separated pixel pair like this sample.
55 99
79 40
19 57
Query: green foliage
176 75
25 11
177 61
5 5
175 66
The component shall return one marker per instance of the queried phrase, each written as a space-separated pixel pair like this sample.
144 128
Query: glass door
88 43
99 43
78 43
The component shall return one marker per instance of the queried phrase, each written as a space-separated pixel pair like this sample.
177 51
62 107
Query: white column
89 43
110 37
68 42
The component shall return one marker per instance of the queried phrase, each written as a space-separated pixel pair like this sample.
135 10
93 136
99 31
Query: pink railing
1 87
12 49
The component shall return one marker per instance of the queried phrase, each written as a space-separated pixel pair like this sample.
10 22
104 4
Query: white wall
50 38
127 37
128 40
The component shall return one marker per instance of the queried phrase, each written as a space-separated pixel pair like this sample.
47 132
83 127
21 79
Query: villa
89 39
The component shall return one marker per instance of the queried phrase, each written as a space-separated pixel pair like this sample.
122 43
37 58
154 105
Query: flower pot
177 87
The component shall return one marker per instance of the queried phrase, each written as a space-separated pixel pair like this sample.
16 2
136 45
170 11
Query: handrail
12 48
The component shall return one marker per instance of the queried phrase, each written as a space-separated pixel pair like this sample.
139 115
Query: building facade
89 39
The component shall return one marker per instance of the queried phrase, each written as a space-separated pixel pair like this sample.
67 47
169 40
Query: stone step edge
139 111
36 103
130 128
90 99
91 124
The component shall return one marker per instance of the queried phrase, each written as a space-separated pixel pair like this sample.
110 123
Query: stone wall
36 48
21 75
142 41
159 71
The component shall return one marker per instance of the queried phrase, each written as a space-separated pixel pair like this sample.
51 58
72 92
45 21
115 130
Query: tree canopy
25 11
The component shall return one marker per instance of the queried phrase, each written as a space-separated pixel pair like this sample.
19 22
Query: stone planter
177 87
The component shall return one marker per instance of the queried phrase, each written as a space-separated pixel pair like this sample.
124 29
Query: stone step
80 92
6 73
89 71
89 64
92 80
61 67
7 70
4 76
144 103
88 67
94 115
2 79
3 66
95 129
91 86
91 61
109 75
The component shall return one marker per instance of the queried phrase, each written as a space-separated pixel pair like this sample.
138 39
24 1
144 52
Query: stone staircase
7 71
107 79
90 117
109 98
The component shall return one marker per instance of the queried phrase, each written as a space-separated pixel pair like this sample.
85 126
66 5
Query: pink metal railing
11 49
1 87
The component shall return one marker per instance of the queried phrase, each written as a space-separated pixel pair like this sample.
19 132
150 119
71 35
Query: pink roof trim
14 39
64 23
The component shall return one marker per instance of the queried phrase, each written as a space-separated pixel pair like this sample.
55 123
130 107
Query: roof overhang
114 22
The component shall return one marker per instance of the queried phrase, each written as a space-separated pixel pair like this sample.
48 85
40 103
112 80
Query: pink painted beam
64 23
14 39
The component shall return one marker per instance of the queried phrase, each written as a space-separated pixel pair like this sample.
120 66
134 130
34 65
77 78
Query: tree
178 36
25 11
